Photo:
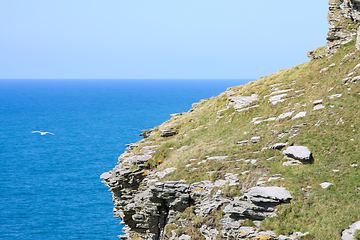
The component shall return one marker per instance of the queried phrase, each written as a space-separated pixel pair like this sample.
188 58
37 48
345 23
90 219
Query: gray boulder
243 142
239 102
269 195
258 203
318 107
292 163
348 234
285 115
317 102
335 96
255 139
300 153
240 209
299 115
139 159
167 132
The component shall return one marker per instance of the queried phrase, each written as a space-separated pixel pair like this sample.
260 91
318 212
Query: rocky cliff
344 19
274 159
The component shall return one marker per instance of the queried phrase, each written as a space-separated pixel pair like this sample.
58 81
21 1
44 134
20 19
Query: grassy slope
322 212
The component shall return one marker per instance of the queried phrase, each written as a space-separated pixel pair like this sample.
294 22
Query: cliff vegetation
276 158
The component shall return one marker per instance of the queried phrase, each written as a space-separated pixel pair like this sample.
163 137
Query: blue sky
157 39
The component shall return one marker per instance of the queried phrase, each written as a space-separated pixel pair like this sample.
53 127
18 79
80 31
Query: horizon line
128 78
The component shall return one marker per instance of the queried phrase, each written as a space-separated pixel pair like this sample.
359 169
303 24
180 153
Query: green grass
322 212
357 235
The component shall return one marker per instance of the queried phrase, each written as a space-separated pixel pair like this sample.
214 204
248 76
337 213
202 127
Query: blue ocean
49 184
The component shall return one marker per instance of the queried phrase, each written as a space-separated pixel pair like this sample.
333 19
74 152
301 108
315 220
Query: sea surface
49 184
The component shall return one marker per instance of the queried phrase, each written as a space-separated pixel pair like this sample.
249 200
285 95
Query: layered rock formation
344 19
146 205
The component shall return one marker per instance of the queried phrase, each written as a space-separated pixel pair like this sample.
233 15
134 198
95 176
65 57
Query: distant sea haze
49 184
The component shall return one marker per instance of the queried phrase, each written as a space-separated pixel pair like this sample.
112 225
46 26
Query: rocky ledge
344 18
148 206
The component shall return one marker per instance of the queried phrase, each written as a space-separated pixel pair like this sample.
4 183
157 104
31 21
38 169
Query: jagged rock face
343 17
146 206
147 210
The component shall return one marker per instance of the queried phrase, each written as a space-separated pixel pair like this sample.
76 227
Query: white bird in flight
42 133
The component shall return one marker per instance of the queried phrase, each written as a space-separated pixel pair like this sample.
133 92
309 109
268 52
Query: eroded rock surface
146 206
256 204
343 17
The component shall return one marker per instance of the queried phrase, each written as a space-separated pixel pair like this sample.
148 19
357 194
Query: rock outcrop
299 153
241 102
147 206
167 132
344 19
257 204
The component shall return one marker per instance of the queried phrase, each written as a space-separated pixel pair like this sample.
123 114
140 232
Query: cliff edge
276 158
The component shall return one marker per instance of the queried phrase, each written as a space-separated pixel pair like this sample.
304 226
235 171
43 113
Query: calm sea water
49 185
